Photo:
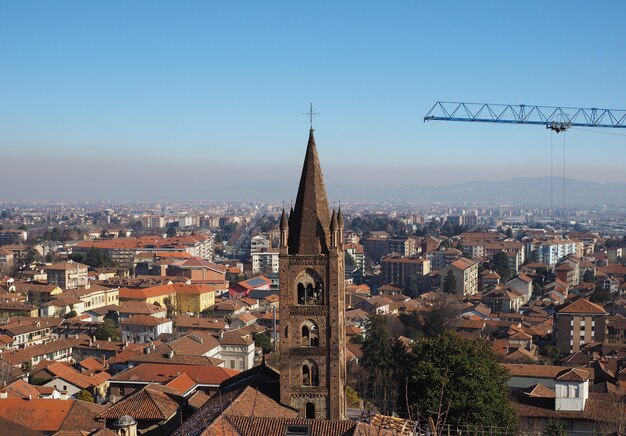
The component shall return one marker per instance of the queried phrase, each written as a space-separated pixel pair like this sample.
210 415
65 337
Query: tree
70 314
601 295
107 329
588 276
501 265
350 263
441 317
121 234
461 377
555 428
551 353
449 283
85 396
377 362
509 233
169 305
261 340
171 232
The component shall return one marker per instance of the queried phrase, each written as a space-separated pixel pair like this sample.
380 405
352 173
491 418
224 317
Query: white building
265 262
143 328
259 244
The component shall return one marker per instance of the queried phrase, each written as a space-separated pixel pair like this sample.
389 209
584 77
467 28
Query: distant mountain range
530 191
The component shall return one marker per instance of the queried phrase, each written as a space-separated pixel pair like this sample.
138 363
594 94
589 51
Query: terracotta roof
256 426
8 427
15 357
144 404
183 383
245 401
21 389
539 371
145 320
151 372
574 375
81 417
582 305
41 414
140 308
197 400
539 391
463 263
199 323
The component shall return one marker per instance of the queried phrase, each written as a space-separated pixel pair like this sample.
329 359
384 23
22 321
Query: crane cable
563 210
552 175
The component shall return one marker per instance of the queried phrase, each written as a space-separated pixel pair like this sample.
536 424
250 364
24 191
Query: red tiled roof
41 414
152 372
145 404
582 305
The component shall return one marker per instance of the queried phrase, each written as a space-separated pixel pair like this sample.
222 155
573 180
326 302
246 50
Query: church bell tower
312 295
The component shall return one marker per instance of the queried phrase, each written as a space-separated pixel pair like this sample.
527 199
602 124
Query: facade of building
465 272
8 237
194 298
579 323
264 262
312 294
68 275
401 270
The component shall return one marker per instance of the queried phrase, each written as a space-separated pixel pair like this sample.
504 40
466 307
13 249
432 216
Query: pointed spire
310 220
340 218
283 221
334 225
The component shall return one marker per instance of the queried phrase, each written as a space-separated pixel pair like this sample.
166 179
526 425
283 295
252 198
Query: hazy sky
142 99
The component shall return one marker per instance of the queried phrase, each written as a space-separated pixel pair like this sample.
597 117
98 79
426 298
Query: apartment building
264 262
578 323
68 275
465 272
8 237
400 270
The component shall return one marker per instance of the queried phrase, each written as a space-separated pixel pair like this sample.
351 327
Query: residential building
242 289
264 262
142 328
551 251
404 271
578 323
358 254
193 299
153 221
404 247
237 350
136 307
259 244
377 246
161 295
465 273
443 257
522 284
13 237
68 275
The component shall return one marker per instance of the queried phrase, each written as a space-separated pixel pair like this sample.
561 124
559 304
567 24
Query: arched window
310 289
310 411
310 374
310 334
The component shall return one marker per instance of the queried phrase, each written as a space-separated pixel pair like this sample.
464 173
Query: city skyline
218 93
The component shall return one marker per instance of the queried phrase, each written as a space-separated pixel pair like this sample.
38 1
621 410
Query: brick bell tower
312 294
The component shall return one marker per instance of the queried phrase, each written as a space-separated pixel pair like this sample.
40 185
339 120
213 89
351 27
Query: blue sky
214 92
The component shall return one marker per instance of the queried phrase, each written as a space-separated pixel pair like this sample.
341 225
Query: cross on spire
311 114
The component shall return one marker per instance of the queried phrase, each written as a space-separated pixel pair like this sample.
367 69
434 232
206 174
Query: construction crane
555 118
